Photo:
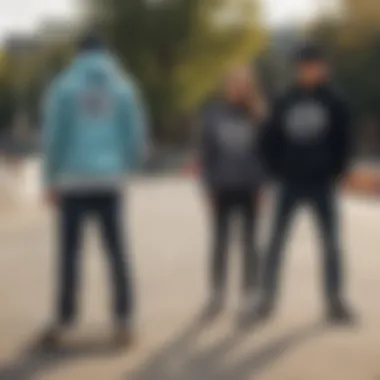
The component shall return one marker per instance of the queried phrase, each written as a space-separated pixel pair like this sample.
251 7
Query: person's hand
51 197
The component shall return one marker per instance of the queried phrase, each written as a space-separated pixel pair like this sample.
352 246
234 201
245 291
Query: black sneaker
339 313
265 309
51 338
124 334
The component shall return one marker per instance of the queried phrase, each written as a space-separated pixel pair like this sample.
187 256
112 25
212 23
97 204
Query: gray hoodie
229 153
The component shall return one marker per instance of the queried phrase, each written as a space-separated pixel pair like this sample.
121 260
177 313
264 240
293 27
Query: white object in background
31 180
20 181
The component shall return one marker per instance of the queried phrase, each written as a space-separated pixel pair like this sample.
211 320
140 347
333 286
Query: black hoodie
307 137
229 153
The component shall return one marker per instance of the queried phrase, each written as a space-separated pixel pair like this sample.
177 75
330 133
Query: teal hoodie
94 125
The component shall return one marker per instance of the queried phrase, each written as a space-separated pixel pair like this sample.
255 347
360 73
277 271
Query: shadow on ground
33 362
181 359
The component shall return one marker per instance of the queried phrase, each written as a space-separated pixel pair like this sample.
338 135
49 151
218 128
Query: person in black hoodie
231 173
306 147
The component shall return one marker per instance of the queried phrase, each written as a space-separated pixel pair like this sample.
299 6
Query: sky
279 12
25 15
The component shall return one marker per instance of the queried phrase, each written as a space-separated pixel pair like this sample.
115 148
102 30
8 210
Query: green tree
353 43
179 49
7 101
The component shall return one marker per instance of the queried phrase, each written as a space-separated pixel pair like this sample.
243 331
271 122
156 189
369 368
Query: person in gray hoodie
232 177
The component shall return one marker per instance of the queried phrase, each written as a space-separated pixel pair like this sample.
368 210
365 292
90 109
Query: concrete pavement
169 241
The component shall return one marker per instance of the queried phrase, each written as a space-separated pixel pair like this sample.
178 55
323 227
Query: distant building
56 29
18 43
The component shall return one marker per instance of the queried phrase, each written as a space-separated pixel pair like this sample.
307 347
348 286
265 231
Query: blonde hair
255 100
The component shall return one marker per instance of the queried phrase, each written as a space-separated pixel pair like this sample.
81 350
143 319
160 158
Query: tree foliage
179 49
353 44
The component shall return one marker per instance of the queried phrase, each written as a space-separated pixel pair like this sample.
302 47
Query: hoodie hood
99 66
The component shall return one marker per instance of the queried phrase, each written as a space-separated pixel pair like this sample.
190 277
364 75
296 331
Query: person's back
96 125
94 134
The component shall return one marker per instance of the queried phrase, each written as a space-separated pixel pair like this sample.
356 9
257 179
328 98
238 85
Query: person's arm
135 129
52 137
270 141
206 146
342 144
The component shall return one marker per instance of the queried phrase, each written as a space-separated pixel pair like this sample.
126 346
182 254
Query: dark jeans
106 207
224 205
322 200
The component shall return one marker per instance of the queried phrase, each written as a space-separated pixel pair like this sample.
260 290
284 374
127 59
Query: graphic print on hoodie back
94 124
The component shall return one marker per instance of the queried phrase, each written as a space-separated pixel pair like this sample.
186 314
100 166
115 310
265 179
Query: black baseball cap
309 53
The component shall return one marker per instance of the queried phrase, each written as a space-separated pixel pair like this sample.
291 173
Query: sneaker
124 334
52 337
339 313
264 309
213 309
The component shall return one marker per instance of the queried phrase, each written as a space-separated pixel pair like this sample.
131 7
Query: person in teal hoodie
94 135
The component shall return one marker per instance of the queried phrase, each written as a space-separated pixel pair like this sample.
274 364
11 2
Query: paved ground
169 246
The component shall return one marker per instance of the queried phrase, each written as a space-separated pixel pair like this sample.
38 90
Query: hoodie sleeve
134 125
342 139
52 132
206 145
271 141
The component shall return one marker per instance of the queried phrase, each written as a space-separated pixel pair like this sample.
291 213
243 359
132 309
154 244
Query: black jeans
322 199
106 207
224 204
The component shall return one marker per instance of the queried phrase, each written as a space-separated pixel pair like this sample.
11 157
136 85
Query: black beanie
91 41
